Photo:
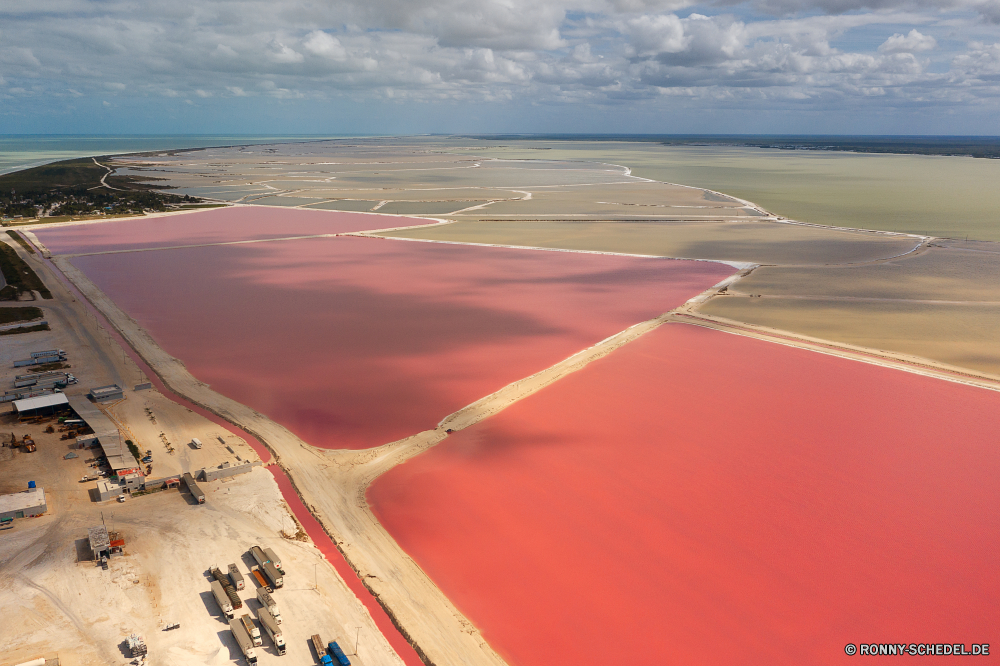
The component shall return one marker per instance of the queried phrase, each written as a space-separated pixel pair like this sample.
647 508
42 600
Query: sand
746 241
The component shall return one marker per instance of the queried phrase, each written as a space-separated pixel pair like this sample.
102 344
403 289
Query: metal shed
41 405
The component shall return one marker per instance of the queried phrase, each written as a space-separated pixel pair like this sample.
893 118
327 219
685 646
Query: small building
25 504
42 405
100 542
106 393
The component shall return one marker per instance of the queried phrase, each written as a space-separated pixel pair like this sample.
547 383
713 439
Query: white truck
268 602
270 625
222 599
251 629
243 640
274 559
196 443
236 577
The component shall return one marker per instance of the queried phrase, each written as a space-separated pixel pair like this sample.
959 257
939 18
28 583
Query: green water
941 196
23 151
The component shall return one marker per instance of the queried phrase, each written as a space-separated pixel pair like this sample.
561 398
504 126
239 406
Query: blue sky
458 66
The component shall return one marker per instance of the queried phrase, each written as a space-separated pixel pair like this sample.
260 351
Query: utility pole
357 637
316 577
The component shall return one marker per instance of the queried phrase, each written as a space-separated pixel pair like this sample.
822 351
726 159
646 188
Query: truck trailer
252 629
236 577
259 577
338 654
272 629
243 640
317 644
231 592
222 599
267 601
193 488
274 560
277 580
259 555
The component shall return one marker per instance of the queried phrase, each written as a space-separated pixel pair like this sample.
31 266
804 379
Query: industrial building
42 405
127 472
107 393
25 504
104 544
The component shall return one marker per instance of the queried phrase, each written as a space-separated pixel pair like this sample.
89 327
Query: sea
23 151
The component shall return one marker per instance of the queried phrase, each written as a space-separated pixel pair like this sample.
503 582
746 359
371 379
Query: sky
497 66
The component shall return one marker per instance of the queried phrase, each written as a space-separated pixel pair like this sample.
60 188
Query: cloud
580 52
914 42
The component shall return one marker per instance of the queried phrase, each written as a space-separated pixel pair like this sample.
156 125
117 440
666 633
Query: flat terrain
356 342
697 489
942 303
736 240
952 197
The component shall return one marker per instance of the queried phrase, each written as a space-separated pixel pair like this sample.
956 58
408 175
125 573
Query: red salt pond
703 498
311 526
220 225
329 550
354 342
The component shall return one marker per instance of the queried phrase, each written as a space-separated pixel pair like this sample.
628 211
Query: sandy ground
69 607
753 241
941 303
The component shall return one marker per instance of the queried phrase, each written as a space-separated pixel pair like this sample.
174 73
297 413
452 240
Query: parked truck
272 628
244 641
317 644
258 554
222 599
259 577
252 629
193 488
236 577
234 597
267 601
277 580
338 654
274 560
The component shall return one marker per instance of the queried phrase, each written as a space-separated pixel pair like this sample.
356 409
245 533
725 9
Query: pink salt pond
220 225
354 342
702 498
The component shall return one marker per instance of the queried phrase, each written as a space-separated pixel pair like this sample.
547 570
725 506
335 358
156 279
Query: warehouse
25 504
106 393
42 405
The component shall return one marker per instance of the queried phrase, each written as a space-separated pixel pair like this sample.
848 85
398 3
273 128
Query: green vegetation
20 239
26 329
19 275
14 315
75 187
133 449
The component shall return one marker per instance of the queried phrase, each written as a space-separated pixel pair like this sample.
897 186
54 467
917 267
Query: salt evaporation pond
703 498
220 225
354 342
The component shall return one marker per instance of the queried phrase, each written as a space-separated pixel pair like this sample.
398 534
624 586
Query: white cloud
914 42
549 51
